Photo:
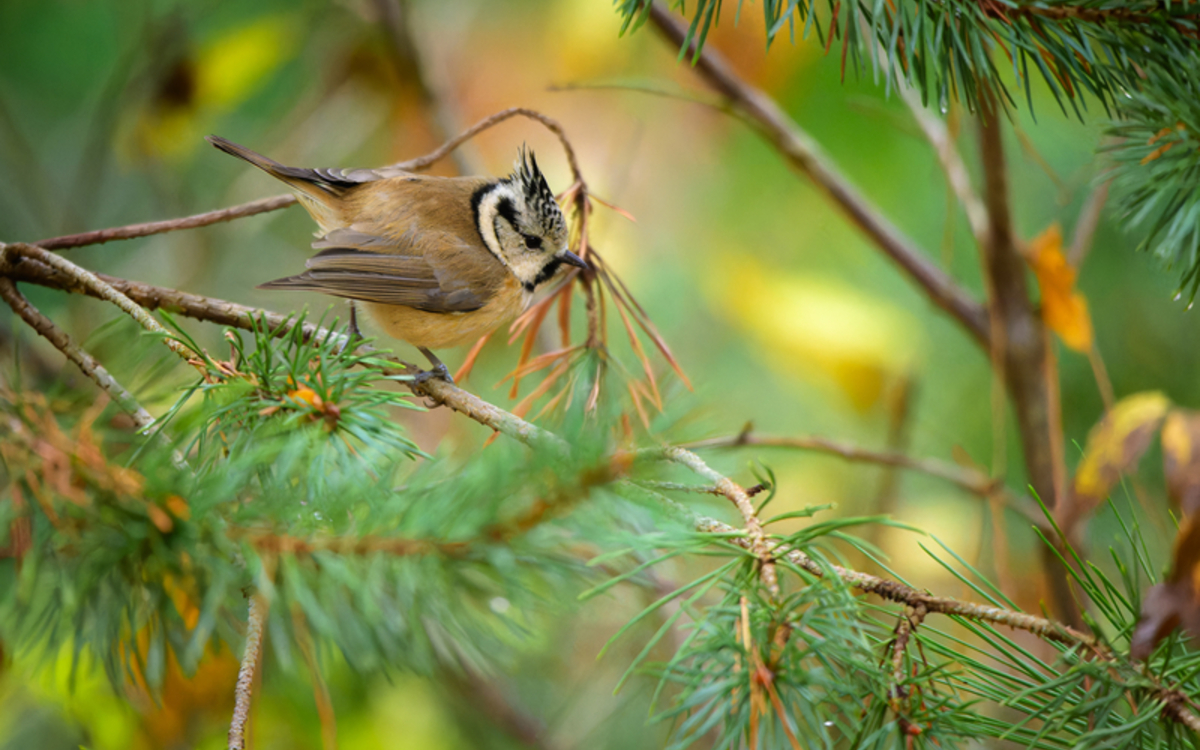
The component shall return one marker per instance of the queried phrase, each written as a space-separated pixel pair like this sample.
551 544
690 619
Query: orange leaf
1175 603
469 363
1117 442
307 395
1064 310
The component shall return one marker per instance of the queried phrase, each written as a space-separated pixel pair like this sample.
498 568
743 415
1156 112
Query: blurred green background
781 313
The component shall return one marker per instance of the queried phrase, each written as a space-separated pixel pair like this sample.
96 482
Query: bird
436 261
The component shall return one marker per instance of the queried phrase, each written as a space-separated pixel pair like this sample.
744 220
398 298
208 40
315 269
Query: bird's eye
533 243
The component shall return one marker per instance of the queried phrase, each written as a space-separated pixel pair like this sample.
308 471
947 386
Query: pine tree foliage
1136 62
821 667
297 484
297 488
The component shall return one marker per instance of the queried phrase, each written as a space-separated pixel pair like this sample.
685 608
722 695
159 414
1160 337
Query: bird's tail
318 189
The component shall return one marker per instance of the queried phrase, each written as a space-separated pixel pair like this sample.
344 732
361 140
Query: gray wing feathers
358 272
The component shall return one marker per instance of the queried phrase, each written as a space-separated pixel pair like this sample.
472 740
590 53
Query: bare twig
251 656
971 480
703 489
1027 371
424 162
101 289
86 362
232 314
938 135
132 231
806 155
736 495
908 624
1085 227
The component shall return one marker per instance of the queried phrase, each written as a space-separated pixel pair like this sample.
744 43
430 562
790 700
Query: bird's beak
573 259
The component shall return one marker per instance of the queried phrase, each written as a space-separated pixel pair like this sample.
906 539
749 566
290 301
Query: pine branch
100 289
31 269
1022 335
741 500
803 153
248 672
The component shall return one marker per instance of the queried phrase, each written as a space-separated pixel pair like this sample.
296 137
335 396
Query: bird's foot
437 371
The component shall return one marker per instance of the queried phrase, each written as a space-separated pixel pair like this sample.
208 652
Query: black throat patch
545 274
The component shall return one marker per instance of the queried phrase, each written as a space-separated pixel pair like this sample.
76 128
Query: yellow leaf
230 67
818 327
1064 310
1117 442
1181 459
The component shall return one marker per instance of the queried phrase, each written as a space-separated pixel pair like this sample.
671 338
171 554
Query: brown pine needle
525 319
795 743
531 332
613 207
594 396
640 353
637 404
469 363
540 362
646 325
554 401
522 408
564 313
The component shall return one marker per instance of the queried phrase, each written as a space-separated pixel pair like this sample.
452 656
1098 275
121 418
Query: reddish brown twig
132 231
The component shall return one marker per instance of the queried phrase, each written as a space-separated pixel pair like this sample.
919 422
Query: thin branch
738 496
132 231
276 202
1085 226
971 480
802 152
86 362
1023 332
98 288
222 312
946 148
424 162
251 656
703 489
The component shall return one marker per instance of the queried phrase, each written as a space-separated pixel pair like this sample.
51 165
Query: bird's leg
437 371
354 333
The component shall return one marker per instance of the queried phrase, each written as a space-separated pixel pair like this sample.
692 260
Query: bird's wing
430 270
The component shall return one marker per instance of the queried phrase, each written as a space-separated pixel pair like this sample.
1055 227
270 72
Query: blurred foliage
102 105
1137 60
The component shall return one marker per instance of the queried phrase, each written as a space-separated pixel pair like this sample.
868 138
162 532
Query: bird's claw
437 371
